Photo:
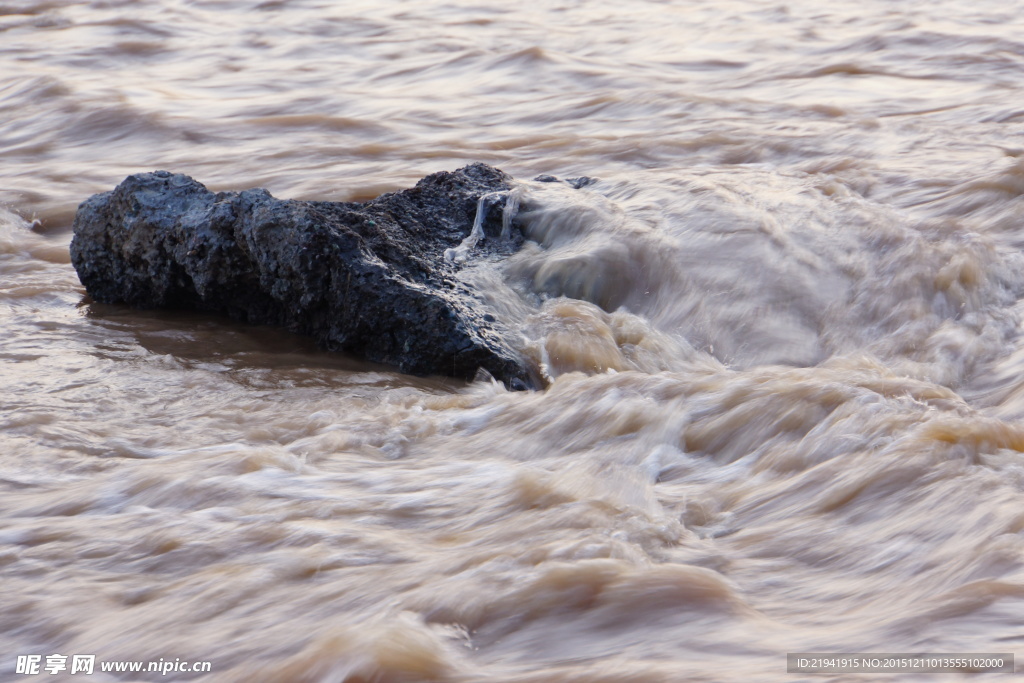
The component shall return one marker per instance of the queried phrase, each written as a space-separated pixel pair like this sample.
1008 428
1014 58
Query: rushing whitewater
780 331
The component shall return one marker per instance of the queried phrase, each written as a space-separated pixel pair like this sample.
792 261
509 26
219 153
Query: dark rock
574 183
367 278
581 182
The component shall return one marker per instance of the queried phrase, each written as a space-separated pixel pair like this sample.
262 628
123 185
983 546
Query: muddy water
781 334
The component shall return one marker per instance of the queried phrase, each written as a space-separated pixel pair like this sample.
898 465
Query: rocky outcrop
367 278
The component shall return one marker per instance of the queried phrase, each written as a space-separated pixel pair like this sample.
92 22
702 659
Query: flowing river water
782 335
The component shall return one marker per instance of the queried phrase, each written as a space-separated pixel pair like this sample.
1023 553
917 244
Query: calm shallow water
782 334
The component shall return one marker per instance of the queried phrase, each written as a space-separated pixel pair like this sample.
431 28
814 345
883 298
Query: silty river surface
782 335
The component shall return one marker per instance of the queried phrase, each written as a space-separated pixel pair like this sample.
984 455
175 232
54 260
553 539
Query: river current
781 335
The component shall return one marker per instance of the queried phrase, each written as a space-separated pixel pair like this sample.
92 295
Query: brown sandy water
782 333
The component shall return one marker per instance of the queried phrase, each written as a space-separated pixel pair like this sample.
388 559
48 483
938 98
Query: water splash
511 198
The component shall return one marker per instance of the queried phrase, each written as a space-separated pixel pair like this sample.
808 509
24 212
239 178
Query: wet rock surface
366 278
